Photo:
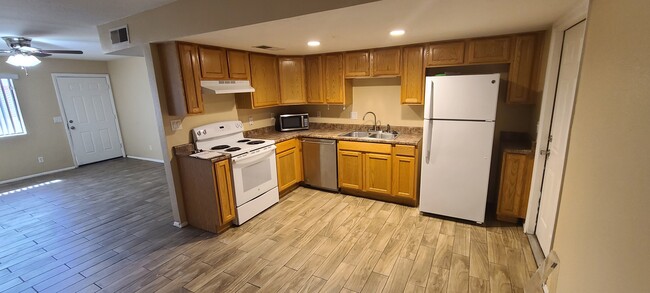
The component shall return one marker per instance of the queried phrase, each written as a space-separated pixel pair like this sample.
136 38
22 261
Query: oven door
254 175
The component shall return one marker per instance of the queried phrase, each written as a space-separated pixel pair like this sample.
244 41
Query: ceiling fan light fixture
22 60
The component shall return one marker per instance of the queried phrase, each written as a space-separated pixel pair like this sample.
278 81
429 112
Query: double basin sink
387 135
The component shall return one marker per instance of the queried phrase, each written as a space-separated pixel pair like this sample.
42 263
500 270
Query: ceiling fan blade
40 54
62 51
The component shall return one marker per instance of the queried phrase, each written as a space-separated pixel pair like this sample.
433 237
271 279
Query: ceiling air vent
119 36
265 47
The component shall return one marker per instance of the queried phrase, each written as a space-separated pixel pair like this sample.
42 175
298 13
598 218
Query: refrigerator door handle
431 101
427 146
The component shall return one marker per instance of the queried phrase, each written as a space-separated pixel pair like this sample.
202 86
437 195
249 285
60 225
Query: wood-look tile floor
107 227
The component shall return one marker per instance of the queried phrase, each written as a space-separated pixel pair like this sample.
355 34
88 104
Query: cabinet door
191 74
224 191
292 80
214 64
334 79
412 76
523 71
512 185
350 170
314 79
492 50
445 54
386 62
286 163
357 64
238 65
404 176
377 173
264 78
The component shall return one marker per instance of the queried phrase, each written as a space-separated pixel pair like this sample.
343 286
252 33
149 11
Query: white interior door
91 120
560 125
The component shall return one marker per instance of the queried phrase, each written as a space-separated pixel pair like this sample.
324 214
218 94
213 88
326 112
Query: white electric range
254 172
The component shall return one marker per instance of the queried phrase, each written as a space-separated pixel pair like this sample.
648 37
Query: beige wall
602 235
134 104
38 103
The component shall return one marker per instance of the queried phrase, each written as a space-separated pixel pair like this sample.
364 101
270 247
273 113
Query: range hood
226 86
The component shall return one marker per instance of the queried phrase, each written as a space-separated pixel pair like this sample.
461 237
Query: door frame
574 16
65 118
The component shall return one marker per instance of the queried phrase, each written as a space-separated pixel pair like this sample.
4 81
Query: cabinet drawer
285 145
404 150
366 147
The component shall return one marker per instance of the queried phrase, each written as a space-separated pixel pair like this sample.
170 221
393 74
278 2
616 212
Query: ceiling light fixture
313 43
396 33
23 60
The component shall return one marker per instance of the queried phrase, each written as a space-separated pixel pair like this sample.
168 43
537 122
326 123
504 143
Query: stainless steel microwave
290 122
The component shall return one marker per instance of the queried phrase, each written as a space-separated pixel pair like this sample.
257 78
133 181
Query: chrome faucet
374 126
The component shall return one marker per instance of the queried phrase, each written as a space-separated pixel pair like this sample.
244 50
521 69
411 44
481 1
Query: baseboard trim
145 159
179 224
36 175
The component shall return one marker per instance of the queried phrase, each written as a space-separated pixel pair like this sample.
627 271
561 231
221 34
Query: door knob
72 127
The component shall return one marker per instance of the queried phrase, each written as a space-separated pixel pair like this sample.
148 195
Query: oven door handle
253 158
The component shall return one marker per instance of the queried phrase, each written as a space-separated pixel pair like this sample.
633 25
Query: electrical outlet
41 160
354 115
57 119
250 120
176 125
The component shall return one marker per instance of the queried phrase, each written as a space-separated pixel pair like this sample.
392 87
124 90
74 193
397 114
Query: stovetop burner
244 140
255 142
220 147
232 149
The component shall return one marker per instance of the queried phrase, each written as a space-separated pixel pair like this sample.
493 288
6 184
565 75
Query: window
11 121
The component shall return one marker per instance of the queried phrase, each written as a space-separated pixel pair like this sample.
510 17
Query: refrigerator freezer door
455 177
461 97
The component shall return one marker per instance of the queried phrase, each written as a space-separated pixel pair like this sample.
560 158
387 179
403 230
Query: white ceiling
71 24
368 25
67 24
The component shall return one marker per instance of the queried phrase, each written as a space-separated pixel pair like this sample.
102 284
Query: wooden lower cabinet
208 195
514 187
350 169
288 160
379 171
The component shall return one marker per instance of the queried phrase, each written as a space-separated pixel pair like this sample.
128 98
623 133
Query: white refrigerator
459 115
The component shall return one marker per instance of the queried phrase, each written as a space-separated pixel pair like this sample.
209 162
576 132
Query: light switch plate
354 115
250 120
176 125
57 119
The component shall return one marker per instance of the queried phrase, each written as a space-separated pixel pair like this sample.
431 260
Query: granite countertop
516 142
185 150
407 135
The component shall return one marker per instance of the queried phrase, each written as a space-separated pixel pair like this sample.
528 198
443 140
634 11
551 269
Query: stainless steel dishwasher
319 163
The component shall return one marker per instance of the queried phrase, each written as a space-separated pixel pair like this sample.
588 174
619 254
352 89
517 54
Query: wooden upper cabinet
357 63
191 76
292 80
224 191
524 70
386 62
445 54
214 64
412 86
264 78
336 89
238 65
489 50
314 79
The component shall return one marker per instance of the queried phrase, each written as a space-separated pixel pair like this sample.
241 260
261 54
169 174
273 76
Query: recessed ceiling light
396 33
313 43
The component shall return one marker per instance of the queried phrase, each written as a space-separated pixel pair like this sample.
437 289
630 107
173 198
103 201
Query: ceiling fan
24 55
